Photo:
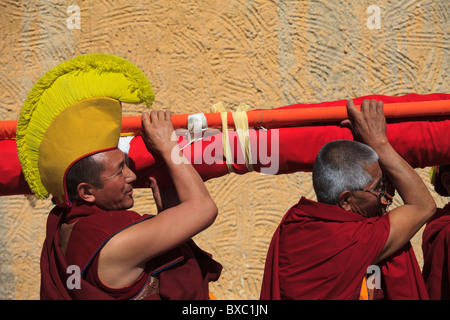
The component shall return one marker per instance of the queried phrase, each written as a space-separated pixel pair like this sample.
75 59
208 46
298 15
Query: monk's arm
125 255
369 126
418 205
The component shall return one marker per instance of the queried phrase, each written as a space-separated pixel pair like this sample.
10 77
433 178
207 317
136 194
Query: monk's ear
85 192
345 199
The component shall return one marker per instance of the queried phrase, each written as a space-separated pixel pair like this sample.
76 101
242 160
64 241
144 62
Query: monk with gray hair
348 245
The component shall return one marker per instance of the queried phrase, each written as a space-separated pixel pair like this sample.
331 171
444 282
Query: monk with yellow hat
95 248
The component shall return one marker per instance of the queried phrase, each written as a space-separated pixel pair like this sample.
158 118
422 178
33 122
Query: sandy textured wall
196 53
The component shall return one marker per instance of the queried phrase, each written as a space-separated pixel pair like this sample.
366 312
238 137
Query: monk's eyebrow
118 171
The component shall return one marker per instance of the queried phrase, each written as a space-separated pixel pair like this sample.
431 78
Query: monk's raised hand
158 132
368 125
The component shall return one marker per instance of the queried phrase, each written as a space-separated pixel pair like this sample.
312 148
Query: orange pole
8 129
270 118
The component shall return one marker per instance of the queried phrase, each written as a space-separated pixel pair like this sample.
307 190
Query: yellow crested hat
73 111
433 175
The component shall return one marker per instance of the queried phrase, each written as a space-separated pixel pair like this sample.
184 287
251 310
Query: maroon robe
436 251
321 251
182 273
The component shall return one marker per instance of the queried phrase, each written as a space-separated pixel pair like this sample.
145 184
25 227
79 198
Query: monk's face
117 190
370 203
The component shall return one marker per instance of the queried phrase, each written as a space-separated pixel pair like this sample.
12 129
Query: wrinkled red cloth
321 251
421 142
436 252
183 273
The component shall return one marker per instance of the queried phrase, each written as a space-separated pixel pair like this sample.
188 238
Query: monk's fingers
351 108
145 120
156 193
372 108
380 108
351 105
155 115
346 124
168 115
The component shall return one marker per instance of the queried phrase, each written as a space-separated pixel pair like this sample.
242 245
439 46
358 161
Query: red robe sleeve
436 255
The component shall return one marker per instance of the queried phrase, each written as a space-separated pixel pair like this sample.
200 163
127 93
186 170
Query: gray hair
341 165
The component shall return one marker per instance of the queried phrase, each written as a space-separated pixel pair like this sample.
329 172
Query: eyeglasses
380 191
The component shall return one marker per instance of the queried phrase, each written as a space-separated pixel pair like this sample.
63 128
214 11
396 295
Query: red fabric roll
420 141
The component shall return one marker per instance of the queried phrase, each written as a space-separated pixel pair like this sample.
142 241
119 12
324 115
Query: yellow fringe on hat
433 175
83 77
